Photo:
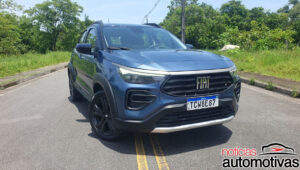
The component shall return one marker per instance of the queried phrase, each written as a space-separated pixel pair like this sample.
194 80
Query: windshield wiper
118 48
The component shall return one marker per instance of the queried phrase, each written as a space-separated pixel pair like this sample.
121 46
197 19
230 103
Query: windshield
140 38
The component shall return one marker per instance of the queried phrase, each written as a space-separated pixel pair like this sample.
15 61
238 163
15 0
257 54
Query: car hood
169 60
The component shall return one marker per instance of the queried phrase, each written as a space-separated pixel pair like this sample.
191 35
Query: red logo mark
276 149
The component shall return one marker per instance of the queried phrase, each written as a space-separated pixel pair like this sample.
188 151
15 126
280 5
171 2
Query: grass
270 86
252 81
277 63
295 93
10 65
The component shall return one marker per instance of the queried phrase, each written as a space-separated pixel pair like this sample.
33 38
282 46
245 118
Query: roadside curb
263 85
26 76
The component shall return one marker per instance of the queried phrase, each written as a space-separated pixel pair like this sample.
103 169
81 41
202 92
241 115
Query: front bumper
151 123
149 118
191 126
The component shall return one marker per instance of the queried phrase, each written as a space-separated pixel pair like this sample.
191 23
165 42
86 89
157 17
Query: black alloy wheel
100 118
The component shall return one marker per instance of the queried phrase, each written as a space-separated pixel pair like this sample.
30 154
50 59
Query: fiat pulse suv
142 78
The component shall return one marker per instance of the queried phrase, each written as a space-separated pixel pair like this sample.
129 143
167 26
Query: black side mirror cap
84 48
189 46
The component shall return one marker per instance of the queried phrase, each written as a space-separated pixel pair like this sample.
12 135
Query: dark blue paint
170 60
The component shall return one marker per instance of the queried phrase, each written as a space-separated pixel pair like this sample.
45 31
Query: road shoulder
29 75
279 85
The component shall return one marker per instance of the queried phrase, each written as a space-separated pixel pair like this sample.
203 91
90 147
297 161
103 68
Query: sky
133 11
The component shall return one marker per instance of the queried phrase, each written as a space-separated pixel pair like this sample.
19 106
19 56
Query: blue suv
142 78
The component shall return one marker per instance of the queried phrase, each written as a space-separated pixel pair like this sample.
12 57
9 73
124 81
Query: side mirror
189 46
84 48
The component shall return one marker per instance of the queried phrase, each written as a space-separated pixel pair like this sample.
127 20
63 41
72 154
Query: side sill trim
190 126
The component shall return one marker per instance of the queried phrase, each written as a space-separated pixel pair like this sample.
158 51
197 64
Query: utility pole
182 21
146 16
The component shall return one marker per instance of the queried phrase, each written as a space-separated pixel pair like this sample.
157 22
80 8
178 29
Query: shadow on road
173 143
196 139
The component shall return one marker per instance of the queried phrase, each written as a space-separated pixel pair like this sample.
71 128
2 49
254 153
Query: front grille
185 85
138 99
187 117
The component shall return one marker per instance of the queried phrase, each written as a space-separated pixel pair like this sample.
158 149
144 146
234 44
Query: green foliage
252 29
12 64
204 25
260 37
277 63
270 86
56 17
235 14
10 42
9 5
295 93
49 26
252 81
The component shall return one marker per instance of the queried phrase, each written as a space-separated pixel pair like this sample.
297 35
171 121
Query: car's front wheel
100 118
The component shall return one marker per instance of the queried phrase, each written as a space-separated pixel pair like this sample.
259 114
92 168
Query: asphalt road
41 129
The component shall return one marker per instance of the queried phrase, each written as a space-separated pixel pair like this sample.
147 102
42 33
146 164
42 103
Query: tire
100 118
74 93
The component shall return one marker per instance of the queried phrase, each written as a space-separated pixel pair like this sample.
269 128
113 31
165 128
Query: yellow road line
140 153
158 152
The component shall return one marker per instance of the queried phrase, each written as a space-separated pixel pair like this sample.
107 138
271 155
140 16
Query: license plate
202 102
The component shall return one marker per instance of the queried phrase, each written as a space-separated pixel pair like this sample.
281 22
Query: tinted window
91 39
140 37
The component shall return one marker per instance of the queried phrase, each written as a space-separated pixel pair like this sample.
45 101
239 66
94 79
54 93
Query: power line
146 16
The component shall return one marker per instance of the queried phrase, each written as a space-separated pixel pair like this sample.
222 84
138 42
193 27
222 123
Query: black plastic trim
138 90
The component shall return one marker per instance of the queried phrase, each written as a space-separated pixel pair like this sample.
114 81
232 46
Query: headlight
234 72
139 77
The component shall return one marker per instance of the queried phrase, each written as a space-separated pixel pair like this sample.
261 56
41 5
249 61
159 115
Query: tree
10 41
204 24
293 2
256 28
235 14
54 17
9 5
294 12
10 34
284 9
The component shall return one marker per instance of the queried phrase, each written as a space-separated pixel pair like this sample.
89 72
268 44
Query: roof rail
98 22
153 25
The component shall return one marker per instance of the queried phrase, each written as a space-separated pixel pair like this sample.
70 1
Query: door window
91 39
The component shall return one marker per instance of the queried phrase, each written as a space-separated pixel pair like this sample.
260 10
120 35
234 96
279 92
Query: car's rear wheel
74 93
100 118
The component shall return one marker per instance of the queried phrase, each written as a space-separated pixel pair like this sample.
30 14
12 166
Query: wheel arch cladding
101 84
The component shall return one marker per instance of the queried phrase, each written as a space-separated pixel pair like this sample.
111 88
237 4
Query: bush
10 41
260 37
